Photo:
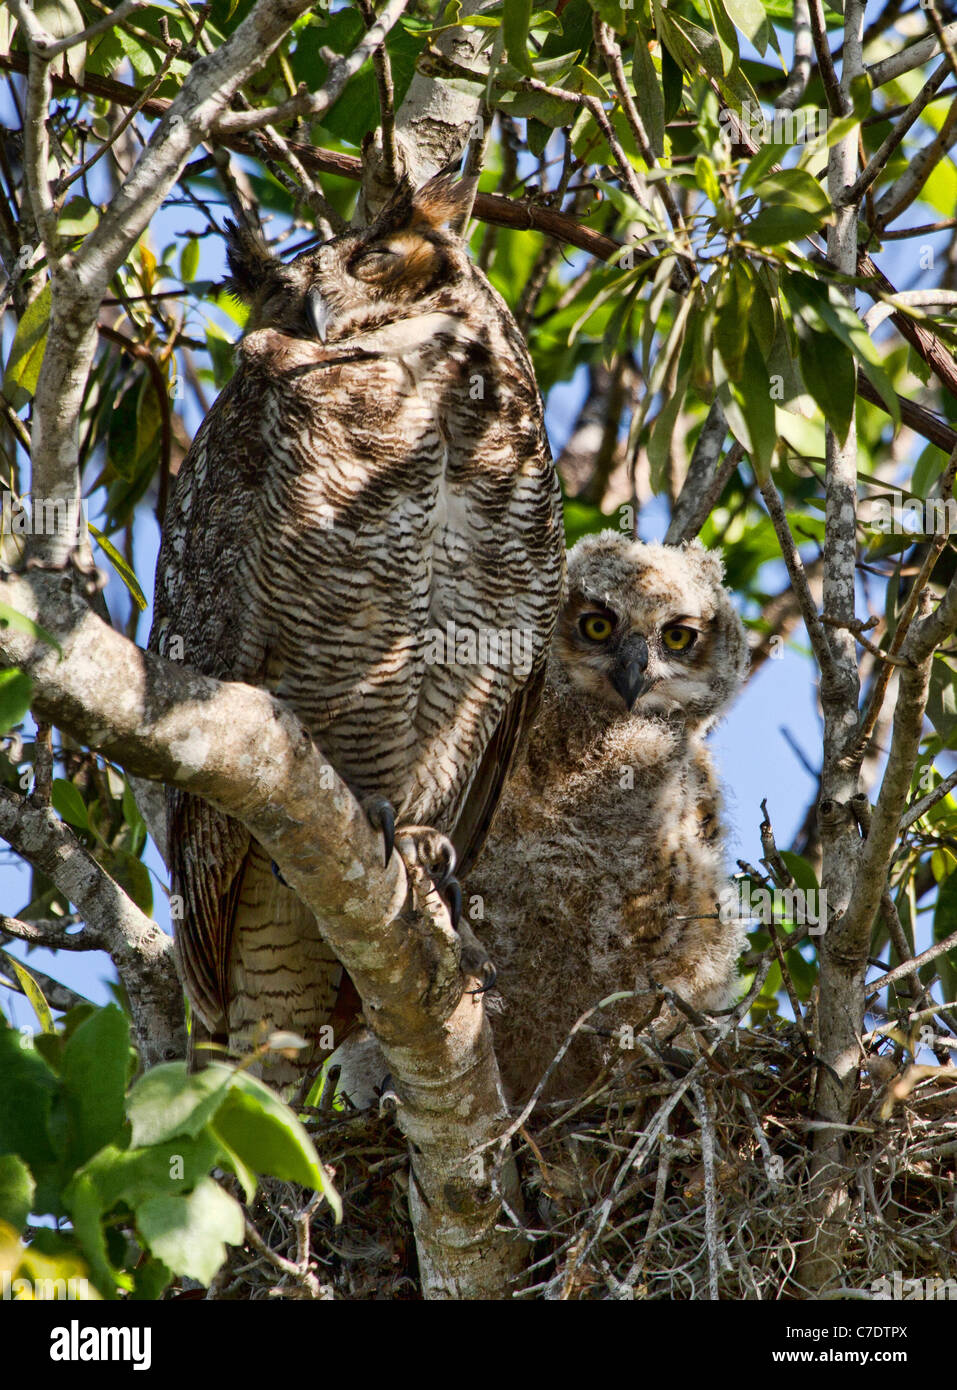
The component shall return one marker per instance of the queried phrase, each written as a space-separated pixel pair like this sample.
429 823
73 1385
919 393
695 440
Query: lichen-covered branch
244 751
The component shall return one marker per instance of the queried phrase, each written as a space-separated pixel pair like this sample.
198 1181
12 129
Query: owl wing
503 749
212 610
203 617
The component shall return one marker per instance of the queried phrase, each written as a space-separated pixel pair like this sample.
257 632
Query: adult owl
367 524
604 867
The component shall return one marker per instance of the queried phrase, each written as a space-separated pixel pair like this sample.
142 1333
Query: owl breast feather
399 503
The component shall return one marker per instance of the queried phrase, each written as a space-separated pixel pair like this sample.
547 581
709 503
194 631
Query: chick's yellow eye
678 639
596 627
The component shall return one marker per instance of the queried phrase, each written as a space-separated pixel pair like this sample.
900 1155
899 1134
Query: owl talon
474 960
483 970
381 814
428 849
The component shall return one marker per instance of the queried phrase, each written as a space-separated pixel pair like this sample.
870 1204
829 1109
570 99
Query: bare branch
796 84
36 138
705 480
878 160
57 995
910 967
142 954
837 100
798 578
48 47
383 73
909 58
903 192
920 808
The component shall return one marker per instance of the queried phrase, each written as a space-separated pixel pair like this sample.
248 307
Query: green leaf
751 19
17 1190
27 1088
830 376
792 188
189 261
269 1138
750 408
120 565
94 1071
27 349
929 467
78 218
697 50
760 163
724 33
515 20
168 1101
775 226
707 179
69 804
222 354
85 1208
945 918
732 326
16 692
32 990
801 871
672 84
662 434
942 698
134 877
822 307
190 1234
537 136
651 101
131 1176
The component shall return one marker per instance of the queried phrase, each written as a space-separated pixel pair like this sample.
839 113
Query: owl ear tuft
445 198
251 262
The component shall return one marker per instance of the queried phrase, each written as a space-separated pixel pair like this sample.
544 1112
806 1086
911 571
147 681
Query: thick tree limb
245 752
843 963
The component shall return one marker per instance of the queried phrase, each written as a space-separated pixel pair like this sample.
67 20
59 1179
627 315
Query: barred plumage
374 480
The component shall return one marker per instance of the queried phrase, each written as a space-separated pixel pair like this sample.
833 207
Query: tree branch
247 754
142 954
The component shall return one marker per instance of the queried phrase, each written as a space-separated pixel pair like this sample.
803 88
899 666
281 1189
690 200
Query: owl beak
629 675
318 314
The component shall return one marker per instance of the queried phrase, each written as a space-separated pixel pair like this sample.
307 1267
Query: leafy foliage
128 1167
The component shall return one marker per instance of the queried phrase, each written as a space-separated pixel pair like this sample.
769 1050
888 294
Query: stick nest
682 1174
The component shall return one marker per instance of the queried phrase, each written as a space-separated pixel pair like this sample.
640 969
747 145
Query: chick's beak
629 674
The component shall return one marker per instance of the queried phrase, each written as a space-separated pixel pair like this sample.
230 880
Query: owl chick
604 866
368 525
